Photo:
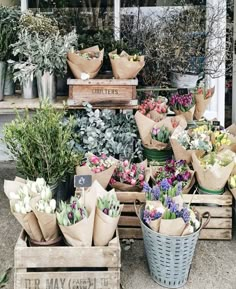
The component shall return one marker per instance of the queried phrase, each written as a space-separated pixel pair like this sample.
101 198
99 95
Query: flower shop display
75 222
30 138
185 142
213 170
183 105
154 149
9 18
86 63
174 172
156 109
129 176
107 216
202 100
125 66
101 168
20 197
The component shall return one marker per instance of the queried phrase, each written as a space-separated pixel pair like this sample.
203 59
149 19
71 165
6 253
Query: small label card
216 123
82 181
182 91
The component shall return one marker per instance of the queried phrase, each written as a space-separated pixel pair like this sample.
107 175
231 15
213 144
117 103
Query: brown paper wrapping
145 126
104 228
179 151
233 191
122 68
214 178
155 225
173 227
103 177
81 233
201 103
118 186
185 189
12 187
29 223
188 115
47 222
156 116
79 64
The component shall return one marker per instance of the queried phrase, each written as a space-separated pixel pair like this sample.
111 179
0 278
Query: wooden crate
102 91
220 207
67 267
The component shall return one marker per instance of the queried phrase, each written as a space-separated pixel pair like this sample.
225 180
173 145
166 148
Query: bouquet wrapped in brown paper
125 66
85 63
165 211
174 172
150 131
20 197
213 170
76 222
232 182
185 142
106 219
44 208
130 177
202 100
101 168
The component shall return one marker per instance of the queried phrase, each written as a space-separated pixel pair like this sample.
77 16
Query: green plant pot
155 155
205 191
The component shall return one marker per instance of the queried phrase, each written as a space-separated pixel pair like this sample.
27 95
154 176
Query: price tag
216 123
182 91
82 181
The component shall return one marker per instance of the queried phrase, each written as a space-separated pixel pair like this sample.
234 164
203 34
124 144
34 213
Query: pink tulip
126 163
94 160
102 168
97 170
141 177
133 182
103 156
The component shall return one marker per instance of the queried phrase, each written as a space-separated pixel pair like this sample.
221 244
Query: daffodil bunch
220 138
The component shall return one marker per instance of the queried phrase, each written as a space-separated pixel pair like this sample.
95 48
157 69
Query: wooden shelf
11 103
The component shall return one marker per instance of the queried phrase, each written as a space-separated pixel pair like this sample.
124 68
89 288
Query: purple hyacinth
157 215
186 215
168 202
146 216
147 188
174 207
156 192
179 189
164 184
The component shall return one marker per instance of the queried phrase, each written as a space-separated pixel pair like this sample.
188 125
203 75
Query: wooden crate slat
128 208
219 234
129 221
220 212
68 280
103 81
130 197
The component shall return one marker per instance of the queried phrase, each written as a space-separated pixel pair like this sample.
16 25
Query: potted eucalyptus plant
9 18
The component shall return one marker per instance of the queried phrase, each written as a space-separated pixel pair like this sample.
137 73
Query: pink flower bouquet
154 109
101 168
129 177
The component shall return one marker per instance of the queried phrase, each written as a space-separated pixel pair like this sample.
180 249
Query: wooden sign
82 181
182 91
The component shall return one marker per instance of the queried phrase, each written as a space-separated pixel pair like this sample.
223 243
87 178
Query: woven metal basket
169 258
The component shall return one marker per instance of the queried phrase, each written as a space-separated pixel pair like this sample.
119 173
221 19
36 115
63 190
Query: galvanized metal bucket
29 89
3 69
46 83
169 257
9 87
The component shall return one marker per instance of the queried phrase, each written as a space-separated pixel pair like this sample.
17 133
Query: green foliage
41 144
4 278
9 18
107 132
37 54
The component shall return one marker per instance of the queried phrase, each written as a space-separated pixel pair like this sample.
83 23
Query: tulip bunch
222 160
220 138
89 55
98 164
174 172
182 102
72 213
151 104
128 173
109 205
161 134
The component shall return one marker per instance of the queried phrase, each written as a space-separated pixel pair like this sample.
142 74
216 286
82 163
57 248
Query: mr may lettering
57 283
105 91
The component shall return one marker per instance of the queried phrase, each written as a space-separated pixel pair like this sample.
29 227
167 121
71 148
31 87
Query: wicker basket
169 258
